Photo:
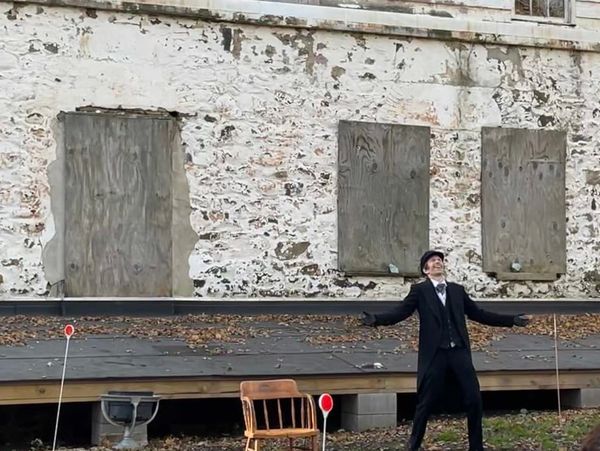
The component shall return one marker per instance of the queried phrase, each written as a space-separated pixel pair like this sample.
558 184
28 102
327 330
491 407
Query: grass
522 431
529 431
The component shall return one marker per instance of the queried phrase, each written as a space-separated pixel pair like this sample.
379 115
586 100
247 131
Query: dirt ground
520 431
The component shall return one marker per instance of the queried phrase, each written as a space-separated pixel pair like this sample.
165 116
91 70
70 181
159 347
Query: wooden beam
197 388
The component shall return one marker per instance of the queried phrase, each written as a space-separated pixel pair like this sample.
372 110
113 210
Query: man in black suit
443 343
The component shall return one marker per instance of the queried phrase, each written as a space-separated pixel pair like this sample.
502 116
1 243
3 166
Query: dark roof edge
168 307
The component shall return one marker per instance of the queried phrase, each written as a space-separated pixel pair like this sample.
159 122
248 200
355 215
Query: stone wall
261 107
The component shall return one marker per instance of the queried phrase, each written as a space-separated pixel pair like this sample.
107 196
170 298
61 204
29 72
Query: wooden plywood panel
383 197
523 203
118 205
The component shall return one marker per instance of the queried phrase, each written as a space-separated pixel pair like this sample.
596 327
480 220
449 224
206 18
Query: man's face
434 266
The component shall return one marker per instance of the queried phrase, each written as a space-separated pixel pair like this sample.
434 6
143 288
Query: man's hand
367 319
521 320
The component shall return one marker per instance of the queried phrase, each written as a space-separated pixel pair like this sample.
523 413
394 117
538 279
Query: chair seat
285 432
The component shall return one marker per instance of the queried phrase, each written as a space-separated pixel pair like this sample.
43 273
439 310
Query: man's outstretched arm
474 312
400 312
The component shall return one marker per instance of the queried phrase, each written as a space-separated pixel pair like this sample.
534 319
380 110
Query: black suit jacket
423 298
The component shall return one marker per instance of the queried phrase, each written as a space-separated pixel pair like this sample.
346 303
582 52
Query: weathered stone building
257 90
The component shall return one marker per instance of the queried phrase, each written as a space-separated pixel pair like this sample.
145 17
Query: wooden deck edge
40 392
301 306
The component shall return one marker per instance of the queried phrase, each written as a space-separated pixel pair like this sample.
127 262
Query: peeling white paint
262 139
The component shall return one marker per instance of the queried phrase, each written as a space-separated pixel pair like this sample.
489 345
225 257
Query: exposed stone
580 138
288 251
304 43
546 120
473 199
227 36
436 13
321 59
345 283
270 51
337 72
592 177
592 276
293 188
51 47
226 132
216 269
260 130
198 283
209 236
238 38
11 14
310 270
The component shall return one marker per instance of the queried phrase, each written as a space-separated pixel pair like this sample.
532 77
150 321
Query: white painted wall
263 122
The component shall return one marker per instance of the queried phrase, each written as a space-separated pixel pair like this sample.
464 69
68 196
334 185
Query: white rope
557 372
324 430
62 383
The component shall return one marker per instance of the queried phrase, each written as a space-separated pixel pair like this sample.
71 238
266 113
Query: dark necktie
441 288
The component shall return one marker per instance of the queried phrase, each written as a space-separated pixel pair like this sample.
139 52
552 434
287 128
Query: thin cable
62 383
557 373
324 430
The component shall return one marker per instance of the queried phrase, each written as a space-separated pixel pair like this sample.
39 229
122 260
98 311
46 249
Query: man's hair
591 442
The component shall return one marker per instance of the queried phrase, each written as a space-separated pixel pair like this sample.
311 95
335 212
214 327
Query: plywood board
118 210
383 197
523 202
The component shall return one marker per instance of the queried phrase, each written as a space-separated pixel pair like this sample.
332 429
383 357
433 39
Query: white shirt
441 296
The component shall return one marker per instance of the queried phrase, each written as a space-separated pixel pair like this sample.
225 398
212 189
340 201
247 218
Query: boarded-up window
118 205
523 203
383 197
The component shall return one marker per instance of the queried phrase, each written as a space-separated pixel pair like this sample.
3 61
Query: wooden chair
282 412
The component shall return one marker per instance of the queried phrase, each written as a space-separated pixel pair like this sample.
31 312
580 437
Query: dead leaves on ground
320 330
526 431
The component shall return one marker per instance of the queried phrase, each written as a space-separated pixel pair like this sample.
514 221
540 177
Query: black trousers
457 361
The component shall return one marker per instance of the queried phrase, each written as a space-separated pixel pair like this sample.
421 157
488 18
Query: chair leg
291 440
252 444
315 443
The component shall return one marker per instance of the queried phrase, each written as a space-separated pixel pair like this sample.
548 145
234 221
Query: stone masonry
260 108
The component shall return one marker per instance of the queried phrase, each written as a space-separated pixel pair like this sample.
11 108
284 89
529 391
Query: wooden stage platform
323 354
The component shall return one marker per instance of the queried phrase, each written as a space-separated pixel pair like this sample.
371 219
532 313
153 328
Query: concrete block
359 423
584 398
590 397
103 431
368 411
370 403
